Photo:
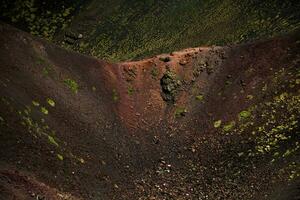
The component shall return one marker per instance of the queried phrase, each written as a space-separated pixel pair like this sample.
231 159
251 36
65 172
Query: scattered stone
80 36
32 194
155 140
165 58
38 197
240 154
249 97
183 62
242 82
228 82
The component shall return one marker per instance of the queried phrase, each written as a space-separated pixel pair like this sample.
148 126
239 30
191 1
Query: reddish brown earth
122 136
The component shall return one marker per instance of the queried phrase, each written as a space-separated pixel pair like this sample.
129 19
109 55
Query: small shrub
51 102
244 114
60 157
44 110
180 111
71 84
200 97
52 140
217 123
35 103
229 126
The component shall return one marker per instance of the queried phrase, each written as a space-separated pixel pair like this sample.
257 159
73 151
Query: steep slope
201 123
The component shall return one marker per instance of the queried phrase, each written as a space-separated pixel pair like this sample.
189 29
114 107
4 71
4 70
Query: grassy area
122 30
42 18
132 29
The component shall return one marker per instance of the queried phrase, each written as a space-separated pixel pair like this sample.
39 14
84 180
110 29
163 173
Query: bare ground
201 123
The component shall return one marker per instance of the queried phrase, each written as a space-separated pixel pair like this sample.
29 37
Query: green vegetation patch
217 123
200 97
52 140
229 126
42 19
136 29
277 126
244 114
51 102
275 129
72 85
35 103
44 110
250 97
180 112
60 157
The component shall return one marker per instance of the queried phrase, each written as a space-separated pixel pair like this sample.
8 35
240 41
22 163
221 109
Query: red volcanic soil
201 123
